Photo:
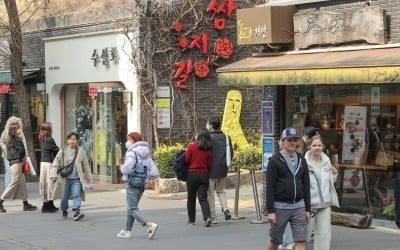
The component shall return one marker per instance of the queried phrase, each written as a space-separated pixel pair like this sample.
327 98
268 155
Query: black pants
397 199
197 184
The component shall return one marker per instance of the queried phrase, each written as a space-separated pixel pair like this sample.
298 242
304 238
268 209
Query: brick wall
391 7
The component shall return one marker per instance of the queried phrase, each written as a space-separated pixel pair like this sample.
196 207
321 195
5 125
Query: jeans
133 196
197 185
7 176
321 224
71 186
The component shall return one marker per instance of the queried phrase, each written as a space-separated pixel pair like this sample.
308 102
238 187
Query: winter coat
49 150
142 151
16 151
219 167
284 186
82 167
322 188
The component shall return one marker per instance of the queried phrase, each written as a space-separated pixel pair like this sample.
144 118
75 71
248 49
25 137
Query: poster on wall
354 135
268 118
268 151
163 112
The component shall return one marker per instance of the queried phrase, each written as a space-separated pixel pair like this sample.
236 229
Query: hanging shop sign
222 10
93 91
268 118
262 25
316 27
268 151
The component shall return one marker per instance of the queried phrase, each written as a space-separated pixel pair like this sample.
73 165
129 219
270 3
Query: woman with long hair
49 150
323 194
138 152
16 155
13 120
198 158
73 185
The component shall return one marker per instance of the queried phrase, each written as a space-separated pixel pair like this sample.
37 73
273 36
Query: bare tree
14 28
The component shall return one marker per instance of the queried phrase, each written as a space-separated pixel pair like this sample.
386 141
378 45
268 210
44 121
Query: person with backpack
138 166
219 167
71 174
198 157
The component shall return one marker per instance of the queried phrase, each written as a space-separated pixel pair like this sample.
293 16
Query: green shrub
164 157
247 158
389 210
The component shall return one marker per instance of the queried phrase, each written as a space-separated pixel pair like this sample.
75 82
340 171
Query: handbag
228 153
67 170
383 159
25 167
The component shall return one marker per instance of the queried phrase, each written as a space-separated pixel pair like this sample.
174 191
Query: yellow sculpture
231 120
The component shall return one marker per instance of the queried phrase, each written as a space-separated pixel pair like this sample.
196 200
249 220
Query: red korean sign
223 47
92 91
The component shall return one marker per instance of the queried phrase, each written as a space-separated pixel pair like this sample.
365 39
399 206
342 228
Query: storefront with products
92 90
352 99
350 93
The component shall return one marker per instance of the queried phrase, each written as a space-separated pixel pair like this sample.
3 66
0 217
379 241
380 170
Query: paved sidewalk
105 216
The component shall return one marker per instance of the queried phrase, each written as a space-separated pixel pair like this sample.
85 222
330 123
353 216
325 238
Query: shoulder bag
228 152
67 170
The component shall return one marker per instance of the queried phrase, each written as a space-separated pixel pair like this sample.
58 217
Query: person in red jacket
198 158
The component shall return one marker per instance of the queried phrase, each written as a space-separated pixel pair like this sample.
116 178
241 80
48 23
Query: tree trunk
352 220
17 74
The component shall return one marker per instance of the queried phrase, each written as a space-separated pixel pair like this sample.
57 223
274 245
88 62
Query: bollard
256 201
237 186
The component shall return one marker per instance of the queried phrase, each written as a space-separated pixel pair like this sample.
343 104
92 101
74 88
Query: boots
2 210
51 205
46 208
29 207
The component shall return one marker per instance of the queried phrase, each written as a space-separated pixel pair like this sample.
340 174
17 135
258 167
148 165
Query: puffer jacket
322 189
142 151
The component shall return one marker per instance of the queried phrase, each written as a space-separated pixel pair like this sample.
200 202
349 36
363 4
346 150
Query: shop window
360 125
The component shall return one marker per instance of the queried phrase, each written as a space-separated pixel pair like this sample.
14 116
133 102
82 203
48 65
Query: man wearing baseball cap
288 192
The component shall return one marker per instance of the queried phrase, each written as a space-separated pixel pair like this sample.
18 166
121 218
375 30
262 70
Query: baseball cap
289 133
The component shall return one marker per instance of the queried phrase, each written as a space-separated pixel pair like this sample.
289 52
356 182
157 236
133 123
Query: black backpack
180 167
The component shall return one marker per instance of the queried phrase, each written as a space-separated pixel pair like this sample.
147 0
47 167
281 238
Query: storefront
92 90
352 95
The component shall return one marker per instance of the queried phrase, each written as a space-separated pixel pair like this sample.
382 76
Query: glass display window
360 126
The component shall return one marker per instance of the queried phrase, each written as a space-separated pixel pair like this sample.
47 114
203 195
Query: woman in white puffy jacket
137 151
323 194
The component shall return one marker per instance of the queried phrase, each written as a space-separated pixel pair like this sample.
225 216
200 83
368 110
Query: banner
354 134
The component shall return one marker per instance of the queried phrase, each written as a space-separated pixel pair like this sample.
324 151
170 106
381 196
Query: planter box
172 185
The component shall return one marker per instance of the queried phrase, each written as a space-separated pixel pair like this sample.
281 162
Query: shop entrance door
101 124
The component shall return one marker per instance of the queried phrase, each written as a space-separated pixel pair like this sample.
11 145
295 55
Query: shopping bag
31 168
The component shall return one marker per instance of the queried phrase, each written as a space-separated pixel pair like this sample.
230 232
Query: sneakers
227 214
78 215
2 210
29 207
64 214
207 222
214 221
287 246
124 234
190 223
152 230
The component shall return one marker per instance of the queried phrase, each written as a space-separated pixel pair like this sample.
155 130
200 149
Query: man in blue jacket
288 192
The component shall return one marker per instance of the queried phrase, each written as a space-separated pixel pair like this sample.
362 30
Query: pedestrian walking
49 150
288 192
137 157
219 168
288 241
71 173
16 155
198 157
322 192
13 120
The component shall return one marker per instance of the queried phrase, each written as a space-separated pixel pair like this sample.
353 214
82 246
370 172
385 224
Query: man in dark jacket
288 192
219 168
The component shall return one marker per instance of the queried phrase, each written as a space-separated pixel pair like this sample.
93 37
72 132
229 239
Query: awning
5 76
355 65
